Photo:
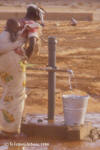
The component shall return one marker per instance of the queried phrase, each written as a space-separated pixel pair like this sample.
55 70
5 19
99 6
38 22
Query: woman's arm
30 49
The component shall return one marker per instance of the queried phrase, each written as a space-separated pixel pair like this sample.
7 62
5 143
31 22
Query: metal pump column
51 77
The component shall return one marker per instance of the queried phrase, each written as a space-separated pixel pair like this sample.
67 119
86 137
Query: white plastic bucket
75 108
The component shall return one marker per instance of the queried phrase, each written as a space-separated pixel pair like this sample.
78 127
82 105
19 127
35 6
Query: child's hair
12 27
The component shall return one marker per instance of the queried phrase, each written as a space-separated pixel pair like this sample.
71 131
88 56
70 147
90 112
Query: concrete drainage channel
39 128
36 128
62 16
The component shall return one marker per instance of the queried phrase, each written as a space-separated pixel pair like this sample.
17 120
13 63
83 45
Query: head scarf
41 11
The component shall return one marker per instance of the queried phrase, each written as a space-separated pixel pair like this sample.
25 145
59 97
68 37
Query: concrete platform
38 126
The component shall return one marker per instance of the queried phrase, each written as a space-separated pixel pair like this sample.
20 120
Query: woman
12 73
9 78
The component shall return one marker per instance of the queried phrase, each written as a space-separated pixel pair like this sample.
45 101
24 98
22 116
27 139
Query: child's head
12 26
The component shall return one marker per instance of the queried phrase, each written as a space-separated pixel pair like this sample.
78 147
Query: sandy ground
77 49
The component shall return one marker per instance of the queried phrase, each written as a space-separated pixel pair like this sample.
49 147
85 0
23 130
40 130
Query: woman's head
12 26
35 13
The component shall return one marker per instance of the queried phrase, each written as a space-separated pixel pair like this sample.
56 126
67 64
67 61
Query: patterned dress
13 79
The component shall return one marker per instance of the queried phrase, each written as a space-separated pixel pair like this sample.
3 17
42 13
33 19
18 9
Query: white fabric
35 34
5 43
41 12
31 26
32 5
12 78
